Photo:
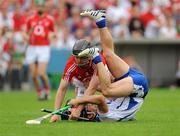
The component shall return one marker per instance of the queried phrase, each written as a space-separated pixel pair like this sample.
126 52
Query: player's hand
75 113
52 36
26 37
73 102
54 118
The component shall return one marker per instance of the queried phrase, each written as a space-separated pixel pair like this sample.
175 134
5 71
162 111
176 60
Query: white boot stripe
97 13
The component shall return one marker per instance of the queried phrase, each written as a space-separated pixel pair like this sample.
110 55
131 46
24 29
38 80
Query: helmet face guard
78 47
83 61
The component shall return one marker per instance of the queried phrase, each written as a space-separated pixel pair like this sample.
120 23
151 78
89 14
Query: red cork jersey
83 74
39 28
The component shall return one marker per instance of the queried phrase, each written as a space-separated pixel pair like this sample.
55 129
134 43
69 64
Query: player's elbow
102 104
107 54
101 99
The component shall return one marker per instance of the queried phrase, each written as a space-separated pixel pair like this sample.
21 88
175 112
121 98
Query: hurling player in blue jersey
124 97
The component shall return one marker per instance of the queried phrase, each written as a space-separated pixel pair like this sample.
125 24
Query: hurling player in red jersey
40 28
83 74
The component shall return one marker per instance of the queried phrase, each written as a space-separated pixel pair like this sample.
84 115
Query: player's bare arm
59 98
52 36
92 87
61 93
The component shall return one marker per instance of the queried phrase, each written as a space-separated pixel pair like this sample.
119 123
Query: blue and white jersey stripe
121 109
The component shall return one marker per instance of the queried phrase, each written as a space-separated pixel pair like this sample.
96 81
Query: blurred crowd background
127 19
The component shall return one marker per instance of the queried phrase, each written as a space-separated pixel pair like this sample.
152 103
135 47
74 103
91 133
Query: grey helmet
80 45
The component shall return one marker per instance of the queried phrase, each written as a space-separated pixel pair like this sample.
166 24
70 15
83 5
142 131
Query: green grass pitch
159 116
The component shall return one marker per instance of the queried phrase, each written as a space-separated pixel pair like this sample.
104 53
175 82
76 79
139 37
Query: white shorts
37 53
122 109
79 87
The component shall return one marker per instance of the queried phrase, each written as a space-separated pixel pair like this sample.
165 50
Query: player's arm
52 32
28 30
60 94
99 100
89 91
26 36
52 36
59 98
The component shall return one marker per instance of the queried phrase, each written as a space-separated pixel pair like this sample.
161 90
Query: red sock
38 90
47 89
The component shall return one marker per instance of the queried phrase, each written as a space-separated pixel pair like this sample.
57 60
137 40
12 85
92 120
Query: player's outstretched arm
59 98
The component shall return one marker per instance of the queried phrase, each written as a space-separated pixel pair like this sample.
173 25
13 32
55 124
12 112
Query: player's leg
119 68
43 58
115 64
30 59
100 17
123 87
127 79
132 82
34 74
42 66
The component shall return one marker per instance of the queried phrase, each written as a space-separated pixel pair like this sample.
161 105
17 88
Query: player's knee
41 74
44 78
34 76
107 54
